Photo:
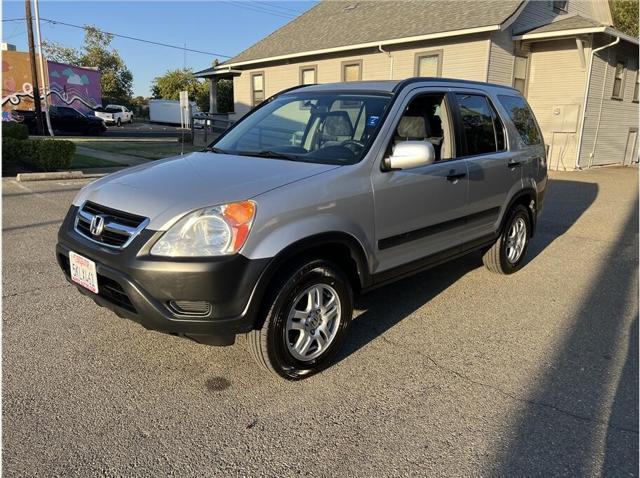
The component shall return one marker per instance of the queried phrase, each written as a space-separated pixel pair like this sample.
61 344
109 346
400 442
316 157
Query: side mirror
411 154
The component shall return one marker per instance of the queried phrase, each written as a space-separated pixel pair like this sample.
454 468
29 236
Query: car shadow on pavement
383 308
564 203
581 418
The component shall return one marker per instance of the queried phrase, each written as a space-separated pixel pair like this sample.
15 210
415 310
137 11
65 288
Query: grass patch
150 150
81 161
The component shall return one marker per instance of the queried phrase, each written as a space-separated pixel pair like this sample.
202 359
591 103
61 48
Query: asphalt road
454 372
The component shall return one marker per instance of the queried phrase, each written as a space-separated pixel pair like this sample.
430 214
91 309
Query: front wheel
307 315
506 256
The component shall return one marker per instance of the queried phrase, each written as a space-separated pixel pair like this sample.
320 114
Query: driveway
453 372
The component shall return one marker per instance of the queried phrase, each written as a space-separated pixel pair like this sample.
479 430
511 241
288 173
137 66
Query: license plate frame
83 271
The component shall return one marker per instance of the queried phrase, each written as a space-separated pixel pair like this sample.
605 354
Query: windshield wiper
213 149
269 154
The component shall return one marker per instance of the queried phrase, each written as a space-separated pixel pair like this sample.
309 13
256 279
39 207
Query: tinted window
481 134
522 118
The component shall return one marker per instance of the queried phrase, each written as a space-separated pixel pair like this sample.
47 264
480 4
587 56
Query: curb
22 177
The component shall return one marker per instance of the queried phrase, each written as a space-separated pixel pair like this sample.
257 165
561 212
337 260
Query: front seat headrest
412 127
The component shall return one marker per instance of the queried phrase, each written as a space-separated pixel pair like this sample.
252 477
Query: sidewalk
123 159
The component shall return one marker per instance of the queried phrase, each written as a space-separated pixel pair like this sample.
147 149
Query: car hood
165 190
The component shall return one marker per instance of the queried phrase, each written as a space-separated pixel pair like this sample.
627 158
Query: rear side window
522 118
481 125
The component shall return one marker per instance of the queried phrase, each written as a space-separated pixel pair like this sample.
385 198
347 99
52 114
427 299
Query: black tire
496 257
269 345
118 122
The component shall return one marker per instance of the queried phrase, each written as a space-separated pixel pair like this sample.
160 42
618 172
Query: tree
625 16
116 79
169 86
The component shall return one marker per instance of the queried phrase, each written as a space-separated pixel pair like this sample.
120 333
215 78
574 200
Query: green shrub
16 151
11 129
51 154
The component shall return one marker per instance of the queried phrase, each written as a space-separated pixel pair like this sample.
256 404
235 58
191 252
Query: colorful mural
74 86
66 85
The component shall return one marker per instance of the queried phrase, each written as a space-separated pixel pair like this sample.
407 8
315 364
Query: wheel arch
528 197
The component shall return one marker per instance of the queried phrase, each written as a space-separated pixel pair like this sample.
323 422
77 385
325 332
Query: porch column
213 95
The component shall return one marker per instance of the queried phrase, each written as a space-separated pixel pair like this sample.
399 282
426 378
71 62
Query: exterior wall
74 86
618 116
461 58
500 68
17 90
557 82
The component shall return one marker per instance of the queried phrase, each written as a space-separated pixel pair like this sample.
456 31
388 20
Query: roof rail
417 79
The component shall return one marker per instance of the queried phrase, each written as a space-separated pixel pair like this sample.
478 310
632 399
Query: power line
272 5
257 9
56 22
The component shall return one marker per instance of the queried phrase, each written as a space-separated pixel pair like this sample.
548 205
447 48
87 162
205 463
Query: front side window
482 128
522 118
618 81
520 66
429 64
352 71
427 118
327 128
257 89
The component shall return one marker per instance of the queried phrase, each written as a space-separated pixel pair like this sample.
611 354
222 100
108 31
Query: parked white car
115 114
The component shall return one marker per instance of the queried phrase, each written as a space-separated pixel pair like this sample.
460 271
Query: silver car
320 193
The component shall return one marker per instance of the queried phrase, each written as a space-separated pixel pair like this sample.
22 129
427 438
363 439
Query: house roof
571 26
335 25
572 22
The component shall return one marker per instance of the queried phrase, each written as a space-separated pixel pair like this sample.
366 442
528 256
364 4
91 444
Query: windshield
328 128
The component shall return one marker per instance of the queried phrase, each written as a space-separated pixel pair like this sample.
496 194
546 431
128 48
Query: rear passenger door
494 173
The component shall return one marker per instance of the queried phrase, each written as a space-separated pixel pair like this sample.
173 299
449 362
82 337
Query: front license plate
83 272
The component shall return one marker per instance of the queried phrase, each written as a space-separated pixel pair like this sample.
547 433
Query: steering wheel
353 145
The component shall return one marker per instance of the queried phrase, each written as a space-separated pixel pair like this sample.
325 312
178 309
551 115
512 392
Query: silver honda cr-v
321 192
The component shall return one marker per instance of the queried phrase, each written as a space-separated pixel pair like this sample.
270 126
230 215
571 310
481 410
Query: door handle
514 164
454 177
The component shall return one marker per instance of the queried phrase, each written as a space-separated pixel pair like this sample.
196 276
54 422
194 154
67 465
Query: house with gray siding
578 73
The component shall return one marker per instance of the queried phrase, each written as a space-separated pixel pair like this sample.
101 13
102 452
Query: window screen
522 118
308 76
482 128
351 72
520 73
257 89
428 65
618 81
635 88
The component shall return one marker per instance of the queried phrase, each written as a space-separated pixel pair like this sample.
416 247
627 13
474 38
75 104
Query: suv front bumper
140 287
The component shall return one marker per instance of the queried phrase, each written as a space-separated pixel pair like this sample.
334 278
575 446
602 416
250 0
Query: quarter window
522 118
481 125
429 64
352 71
618 81
257 88
520 66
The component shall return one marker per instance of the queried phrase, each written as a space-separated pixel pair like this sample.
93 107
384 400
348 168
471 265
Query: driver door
421 212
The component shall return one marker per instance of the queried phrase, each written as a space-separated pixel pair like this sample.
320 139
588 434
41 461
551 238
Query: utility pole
45 100
34 74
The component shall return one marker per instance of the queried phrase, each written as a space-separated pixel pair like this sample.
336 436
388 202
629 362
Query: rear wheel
307 314
506 256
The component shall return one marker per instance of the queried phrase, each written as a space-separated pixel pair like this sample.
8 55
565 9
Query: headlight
212 231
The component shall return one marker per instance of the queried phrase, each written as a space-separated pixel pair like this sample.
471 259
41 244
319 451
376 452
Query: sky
219 27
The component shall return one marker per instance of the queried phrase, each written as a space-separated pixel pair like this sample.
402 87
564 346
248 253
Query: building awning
218 72
571 26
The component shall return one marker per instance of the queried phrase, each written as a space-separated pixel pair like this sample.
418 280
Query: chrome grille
107 226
